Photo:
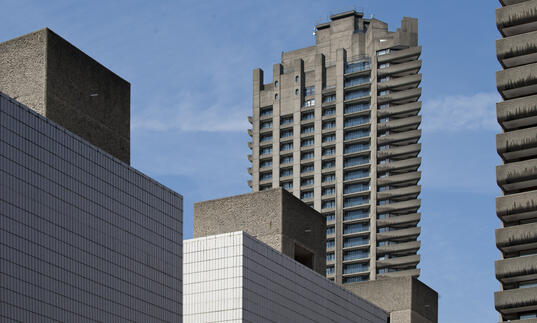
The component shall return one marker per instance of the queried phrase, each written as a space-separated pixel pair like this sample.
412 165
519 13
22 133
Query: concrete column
277 71
256 104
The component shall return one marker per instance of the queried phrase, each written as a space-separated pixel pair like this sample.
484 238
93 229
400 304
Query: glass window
286 172
355 134
286 146
308 129
328 151
265 138
329 124
330 216
276 96
355 201
356 107
309 103
297 78
330 243
355 161
286 159
353 121
265 163
265 112
353 148
355 254
286 133
297 91
383 52
310 90
329 138
384 92
330 270
286 120
329 111
328 191
355 228
287 185
308 142
357 66
306 155
330 230
328 204
357 80
357 94
328 178
306 182
329 98
307 168
308 116
354 188
355 214
330 256
265 125
355 279
306 195
328 164
276 83
355 268
265 150
355 241
265 176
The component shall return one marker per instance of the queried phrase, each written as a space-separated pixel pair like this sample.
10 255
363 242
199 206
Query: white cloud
460 112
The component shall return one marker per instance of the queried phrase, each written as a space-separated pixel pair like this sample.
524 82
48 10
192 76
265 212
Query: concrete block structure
83 236
234 277
49 75
338 126
516 301
274 216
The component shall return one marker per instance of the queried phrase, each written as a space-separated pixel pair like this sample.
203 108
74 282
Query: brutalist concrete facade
46 73
517 176
274 216
234 277
83 236
338 127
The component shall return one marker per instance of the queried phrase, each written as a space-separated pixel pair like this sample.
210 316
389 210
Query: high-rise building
338 126
517 175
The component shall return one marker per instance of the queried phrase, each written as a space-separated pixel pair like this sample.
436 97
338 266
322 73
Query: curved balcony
517 18
401 97
411 164
516 300
250 120
401 83
411 260
410 233
408 219
517 113
412 246
402 69
517 81
250 144
516 207
410 123
517 176
517 237
400 273
408 151
517 50
409 136
409 178
409 109
408 54
250 183
405 206
250 157
250 170
512 269
250 132
518 144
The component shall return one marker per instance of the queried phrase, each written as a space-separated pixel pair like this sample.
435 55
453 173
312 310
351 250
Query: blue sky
190 66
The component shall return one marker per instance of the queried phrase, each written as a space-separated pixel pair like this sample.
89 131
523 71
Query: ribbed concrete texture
274 216
338 127
516 300
49 75
234 277
83 236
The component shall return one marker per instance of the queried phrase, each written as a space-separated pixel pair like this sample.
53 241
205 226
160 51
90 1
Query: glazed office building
517 175
339 128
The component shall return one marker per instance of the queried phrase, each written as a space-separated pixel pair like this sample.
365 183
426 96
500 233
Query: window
354 188
328 164
355 201
297 78
355 254
355 268
356 107
286 146
357 94
355 174
384 65
287 185
265 163
329 98
276 83
329 111
384 79
306 182
307 168
383 106
355 241
328 178
307 129
286 133
355 228
330 270
307 142
309 103
383 52
329 124
353 148
286 172
310 90
329 138
384 92
330 244
355 161
330 256
328 204
265 125
328 191
265 112
353 121
357 66
265 150
276 96
355 279
286 120
384 120
330 230
357 80
355 214
328 151
265 187
265 138
355 134
306 155
297 92
308 116
306 195
265 176
330 216
286 159
384 147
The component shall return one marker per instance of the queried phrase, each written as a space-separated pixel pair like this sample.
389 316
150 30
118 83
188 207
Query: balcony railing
357 66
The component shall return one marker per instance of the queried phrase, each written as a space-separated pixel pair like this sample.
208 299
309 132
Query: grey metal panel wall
83 236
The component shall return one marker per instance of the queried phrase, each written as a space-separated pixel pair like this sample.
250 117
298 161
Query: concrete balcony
250 170
250 119
517 144
411 164
516 207
408 54
401 97
410 123
517 81
399 261
512 269
517 113
250 144
413 191
517 50
408 219
517 176
250 157
409 151
410 178
401 83
410 233
405 206
400 273
518 237
517 18
407 68
516 300
250 132
409 136
412 246
409 109
250 183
